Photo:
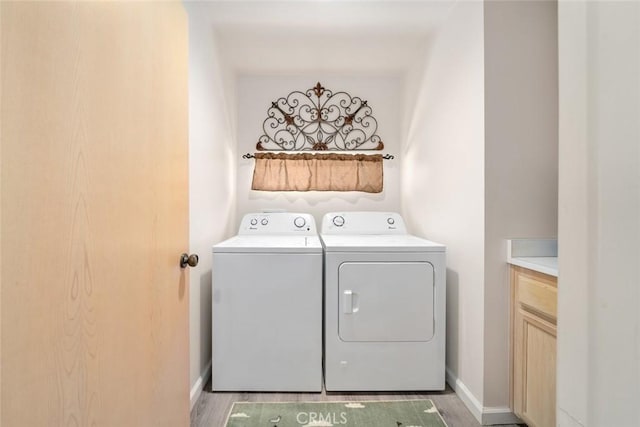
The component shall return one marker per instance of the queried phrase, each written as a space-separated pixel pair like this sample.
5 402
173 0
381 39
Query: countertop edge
539 255
540 268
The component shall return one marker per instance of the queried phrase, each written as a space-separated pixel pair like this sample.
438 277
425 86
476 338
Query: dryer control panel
281 223
363 223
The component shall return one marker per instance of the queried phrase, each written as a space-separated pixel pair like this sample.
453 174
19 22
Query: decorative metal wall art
319 120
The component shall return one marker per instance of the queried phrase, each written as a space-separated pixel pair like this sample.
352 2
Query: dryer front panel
386 301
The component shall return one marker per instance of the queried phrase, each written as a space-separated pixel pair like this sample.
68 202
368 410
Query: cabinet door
535 370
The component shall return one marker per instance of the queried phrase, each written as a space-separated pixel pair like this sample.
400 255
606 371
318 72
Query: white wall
574 231
443 180
521 158
255 94
599 214
479 167
212 158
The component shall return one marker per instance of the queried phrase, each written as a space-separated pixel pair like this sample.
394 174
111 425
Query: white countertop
539 255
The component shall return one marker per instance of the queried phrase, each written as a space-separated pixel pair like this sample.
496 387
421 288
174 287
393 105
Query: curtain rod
251 156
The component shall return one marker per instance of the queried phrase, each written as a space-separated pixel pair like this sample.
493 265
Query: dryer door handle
349 302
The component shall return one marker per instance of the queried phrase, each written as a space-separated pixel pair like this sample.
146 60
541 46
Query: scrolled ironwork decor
319 120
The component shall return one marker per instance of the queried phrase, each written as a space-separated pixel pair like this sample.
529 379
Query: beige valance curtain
320 172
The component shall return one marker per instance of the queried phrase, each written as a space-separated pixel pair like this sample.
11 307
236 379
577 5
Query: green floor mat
398 413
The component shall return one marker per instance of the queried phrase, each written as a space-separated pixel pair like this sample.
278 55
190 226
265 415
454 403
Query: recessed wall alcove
424 69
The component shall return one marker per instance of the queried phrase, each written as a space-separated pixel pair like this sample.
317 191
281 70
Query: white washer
267 306
384 305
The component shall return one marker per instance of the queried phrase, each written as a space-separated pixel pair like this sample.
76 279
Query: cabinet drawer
537 294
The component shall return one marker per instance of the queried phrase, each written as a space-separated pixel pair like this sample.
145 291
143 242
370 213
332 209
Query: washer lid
379 243
270 244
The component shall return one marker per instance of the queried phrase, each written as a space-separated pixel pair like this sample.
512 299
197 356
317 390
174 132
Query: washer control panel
363 223
278 223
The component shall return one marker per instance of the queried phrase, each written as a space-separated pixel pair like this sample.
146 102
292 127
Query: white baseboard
566 420
484 415
499 415
465 395
196 390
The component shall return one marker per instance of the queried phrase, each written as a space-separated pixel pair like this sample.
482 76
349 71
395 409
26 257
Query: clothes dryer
384 305
267 306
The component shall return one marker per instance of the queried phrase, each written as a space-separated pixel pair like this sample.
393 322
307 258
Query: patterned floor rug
397 413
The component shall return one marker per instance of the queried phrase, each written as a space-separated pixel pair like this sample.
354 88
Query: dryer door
386 301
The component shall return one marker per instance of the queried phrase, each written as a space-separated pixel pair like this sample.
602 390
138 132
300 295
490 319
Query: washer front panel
267 322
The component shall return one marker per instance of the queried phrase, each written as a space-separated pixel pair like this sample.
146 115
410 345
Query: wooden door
94 214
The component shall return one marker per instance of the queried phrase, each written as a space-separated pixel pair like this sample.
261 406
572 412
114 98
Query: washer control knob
338 221
254 221
391 221
264 221
299 222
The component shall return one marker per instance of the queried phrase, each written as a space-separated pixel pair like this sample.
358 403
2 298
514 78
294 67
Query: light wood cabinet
533 320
